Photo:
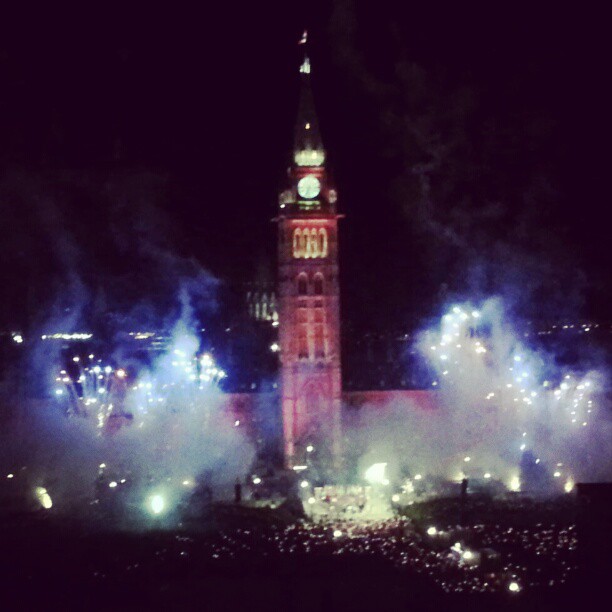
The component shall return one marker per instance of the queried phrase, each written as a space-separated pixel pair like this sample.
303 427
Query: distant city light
77 336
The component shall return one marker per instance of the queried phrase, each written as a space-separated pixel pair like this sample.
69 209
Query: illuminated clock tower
309 296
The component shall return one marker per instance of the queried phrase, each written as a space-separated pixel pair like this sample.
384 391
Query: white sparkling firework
501 390
90 389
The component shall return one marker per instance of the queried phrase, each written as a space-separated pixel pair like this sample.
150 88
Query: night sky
140 148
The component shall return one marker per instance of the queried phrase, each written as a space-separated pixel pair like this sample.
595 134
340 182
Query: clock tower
309 296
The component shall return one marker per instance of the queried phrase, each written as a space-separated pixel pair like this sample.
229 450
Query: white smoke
500 402
178 433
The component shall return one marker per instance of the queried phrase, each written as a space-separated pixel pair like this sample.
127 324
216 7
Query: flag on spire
304 38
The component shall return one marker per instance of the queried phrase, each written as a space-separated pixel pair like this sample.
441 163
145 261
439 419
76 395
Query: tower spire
308 147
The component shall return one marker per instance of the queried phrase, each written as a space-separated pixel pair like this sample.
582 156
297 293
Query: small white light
311 500
337 533
395 498
256 480
514 587
304 484
432 531
112 484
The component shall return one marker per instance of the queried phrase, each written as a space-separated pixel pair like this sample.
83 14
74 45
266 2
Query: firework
90 388
500 387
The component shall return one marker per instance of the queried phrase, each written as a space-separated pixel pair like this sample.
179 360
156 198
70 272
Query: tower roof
308 147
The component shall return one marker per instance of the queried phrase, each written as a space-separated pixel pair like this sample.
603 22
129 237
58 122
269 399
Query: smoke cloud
507 411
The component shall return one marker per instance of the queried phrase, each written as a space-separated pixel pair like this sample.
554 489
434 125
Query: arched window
315 251
303 251
323 242
318 284
297 236
302 284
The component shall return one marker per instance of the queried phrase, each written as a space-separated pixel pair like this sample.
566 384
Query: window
310 243
318 284
323 242
302 284
319 342
297 236
302 342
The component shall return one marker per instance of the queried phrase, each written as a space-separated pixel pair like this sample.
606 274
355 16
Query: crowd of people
477 559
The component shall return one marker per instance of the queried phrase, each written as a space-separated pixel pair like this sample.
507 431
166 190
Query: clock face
309 187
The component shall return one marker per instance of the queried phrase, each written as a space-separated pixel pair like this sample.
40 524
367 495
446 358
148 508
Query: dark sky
468 150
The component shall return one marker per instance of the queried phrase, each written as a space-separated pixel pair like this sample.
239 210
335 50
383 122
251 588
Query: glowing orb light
514 587
432 531
337 533
43 497
514 484
375 474
157 504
